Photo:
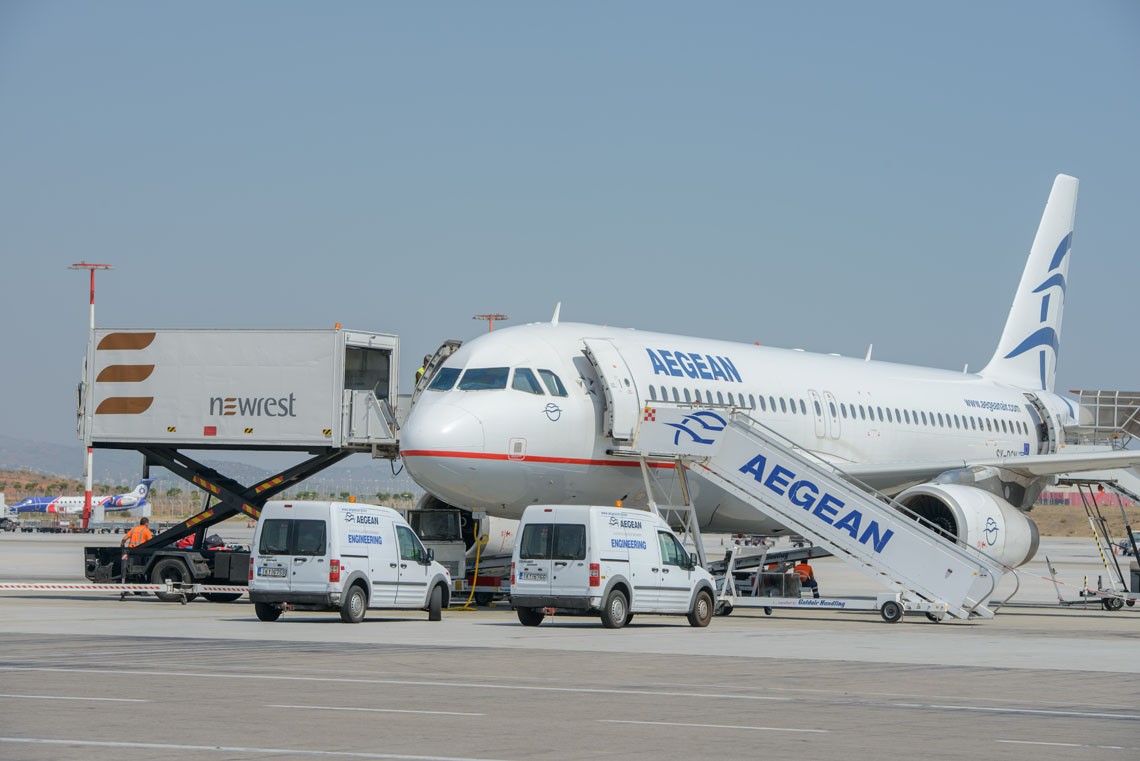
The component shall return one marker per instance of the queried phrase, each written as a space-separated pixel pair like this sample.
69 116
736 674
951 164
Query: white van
341 556
609 560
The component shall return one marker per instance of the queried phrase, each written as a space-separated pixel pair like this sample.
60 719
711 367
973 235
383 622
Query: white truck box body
290 389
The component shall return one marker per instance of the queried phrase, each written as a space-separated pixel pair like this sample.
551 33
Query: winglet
1026 355
557 309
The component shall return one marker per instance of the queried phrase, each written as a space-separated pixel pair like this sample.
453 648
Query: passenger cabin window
410 547
652 394
553 382
444 379
484 378
525 381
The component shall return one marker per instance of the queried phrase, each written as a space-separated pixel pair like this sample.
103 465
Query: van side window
672 553
410 547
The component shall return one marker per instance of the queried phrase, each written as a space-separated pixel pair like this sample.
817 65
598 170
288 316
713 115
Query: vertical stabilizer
1026 356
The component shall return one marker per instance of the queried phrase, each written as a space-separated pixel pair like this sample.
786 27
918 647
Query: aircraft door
623 407
832 410
818 412
1044 425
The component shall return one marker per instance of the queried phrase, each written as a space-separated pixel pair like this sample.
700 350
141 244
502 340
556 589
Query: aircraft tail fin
1026 355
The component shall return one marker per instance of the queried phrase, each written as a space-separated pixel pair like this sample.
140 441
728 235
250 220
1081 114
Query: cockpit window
483 378
444 379
553 383
525 381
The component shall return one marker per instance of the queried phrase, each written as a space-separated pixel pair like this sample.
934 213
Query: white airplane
72 505
520 416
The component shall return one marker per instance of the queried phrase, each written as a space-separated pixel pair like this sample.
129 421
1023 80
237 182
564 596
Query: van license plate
277 572
532 576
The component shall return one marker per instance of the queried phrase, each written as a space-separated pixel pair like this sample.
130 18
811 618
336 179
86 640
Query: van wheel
530 616
615 610
171 569
266 612
702 611
435 604
354 604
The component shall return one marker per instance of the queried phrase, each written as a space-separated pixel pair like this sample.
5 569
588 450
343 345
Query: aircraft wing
895 476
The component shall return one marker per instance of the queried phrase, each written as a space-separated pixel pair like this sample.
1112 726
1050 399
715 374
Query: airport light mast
89 465
490 318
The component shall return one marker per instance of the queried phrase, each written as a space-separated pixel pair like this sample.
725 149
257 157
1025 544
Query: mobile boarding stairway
924 570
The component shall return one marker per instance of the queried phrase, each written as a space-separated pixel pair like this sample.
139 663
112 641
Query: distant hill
42 464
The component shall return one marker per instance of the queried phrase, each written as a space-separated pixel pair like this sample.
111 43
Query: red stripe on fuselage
528 458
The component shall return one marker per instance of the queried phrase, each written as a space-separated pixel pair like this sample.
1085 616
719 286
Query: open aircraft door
623 407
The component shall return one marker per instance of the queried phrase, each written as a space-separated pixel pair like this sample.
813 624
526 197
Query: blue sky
815 175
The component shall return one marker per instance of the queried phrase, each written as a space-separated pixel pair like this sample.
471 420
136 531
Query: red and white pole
88 468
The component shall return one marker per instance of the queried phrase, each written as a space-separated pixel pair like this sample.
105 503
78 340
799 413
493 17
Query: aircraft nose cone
433 442
441 428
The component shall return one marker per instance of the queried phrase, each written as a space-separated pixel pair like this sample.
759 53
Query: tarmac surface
85 673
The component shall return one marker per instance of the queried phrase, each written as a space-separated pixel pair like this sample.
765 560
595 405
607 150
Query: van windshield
553 541
289 536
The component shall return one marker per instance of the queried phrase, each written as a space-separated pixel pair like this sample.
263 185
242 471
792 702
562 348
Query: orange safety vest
803 570
137 536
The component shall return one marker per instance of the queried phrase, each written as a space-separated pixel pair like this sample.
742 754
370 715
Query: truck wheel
171 569
266 612
483 599
222 596
354 604
702 611
530 616
891 612
614 610
435 604
1113 603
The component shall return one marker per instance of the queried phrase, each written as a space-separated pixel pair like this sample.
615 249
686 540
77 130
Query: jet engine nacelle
978 518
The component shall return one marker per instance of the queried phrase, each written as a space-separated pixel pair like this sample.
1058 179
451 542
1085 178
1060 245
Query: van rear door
292 555
570 574
532 575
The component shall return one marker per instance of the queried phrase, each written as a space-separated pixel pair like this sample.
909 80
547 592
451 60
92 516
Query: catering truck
165 392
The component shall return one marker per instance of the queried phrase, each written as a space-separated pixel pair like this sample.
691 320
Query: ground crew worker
137 535
807 577
423 368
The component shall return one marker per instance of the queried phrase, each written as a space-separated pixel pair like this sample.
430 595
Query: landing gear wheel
266 612
702 611
530 616
354 604
222 596
891 612
171 569
435 604
1112 603
934 618
615 610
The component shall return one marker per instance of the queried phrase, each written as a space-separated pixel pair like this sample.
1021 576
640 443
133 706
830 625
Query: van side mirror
429 555
692 560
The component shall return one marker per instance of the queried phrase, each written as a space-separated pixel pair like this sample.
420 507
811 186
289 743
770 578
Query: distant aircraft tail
135 502
1026 355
